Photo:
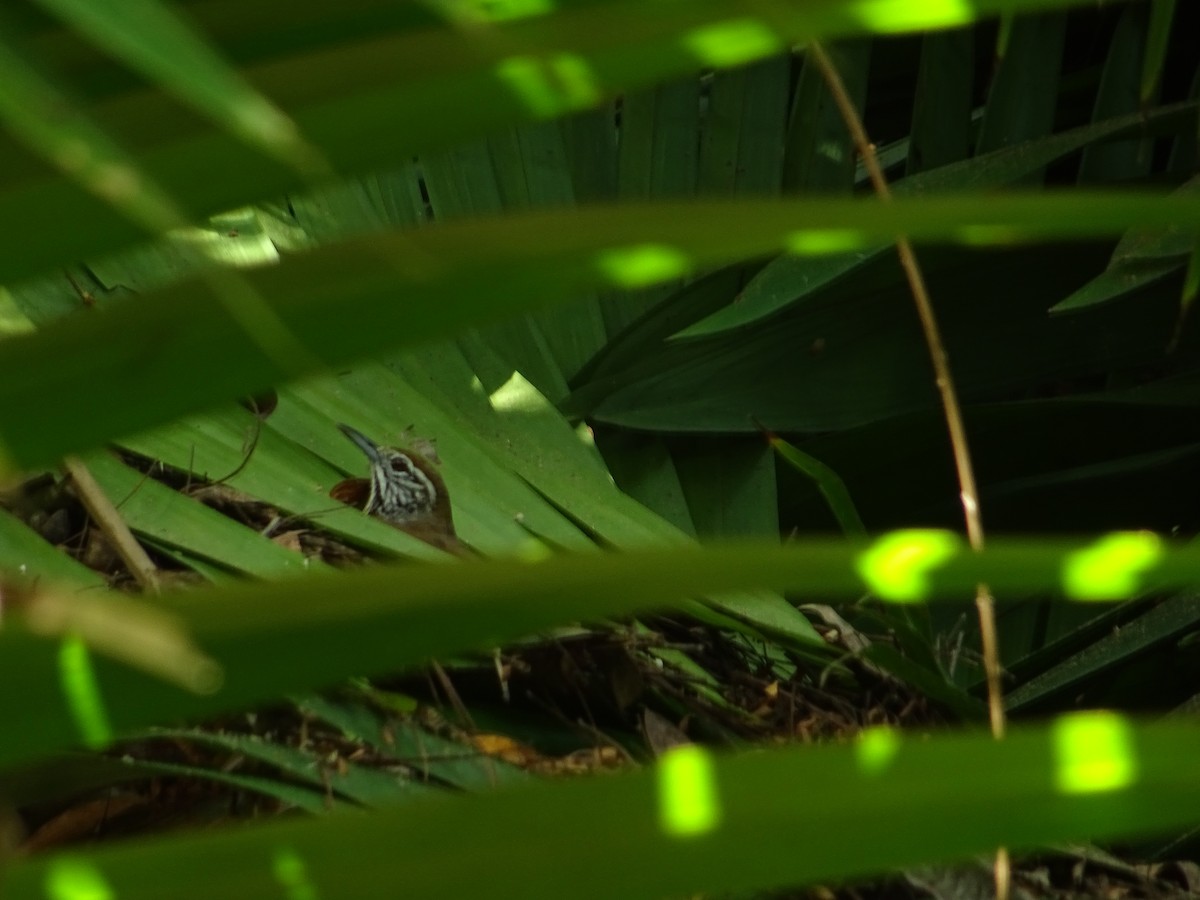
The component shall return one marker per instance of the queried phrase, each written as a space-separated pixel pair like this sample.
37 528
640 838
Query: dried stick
109 521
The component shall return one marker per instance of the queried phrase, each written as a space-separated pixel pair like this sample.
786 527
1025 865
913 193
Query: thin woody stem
968 491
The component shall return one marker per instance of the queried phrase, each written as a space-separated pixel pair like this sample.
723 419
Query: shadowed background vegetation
619 262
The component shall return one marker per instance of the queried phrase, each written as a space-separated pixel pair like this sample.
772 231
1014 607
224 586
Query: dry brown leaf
289 540
80 821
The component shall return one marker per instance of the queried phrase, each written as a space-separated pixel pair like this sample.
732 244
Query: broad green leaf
1021 101
1122 278
247 643
1142 257
80 147
820 153
656 159
495 511
630 346
377 785
485 178
1081 487
339 303
1171 620
694 822
832 487
170 517
386 95
1127 160
855 353
730 487
63 776
309 800
1161 14
742 142
149 36
787 280
929 682
526 434
1080 636
427 756
941 123
26 555
232 446
642 467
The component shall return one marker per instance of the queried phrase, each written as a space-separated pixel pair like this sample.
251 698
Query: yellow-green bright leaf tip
897 566
74 879
825 242
1113 567
876 748
898 16
733 42
1094 752
551 86
81 690
642 265
689 799
291 872
480 12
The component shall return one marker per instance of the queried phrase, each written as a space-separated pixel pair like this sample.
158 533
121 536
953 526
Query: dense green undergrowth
620 263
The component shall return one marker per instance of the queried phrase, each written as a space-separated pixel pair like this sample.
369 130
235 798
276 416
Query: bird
405 490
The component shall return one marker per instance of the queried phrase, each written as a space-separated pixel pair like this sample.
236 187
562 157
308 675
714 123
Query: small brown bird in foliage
405 490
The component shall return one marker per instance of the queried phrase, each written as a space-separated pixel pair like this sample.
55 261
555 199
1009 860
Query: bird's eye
401 464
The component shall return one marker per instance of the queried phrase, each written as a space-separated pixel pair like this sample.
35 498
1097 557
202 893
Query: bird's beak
364 443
